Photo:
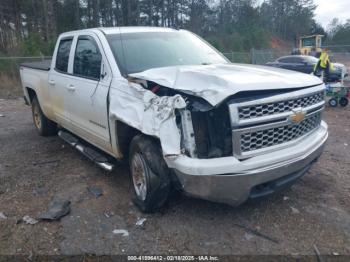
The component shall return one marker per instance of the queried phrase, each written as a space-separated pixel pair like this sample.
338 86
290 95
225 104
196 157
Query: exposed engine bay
209 135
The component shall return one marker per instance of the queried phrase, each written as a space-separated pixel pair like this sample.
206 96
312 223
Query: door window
290 60
87 59
284 60
297 60
63 55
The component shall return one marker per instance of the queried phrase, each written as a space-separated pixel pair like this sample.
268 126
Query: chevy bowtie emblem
298 115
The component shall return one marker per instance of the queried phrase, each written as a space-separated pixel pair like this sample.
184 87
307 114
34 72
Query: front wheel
150 174
44 125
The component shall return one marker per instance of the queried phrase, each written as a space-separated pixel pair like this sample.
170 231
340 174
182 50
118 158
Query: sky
329 9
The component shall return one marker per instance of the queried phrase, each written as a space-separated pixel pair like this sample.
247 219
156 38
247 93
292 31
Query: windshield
137 52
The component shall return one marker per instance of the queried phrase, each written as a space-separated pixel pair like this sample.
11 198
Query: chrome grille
254 111
271 123
274 136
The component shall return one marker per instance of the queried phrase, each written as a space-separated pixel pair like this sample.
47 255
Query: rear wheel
44 125
333 102
150 174
343 101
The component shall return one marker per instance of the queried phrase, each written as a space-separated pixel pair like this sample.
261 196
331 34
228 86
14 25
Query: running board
98 158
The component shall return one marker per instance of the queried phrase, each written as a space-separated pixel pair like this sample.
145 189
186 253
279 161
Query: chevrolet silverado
178 112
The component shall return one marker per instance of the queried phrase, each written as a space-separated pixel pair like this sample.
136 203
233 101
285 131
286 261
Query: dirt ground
34 170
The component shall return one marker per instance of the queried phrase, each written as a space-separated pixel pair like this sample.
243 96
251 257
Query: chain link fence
239 57
341 57
338 54
258 57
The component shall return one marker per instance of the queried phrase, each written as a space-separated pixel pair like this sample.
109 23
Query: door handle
71 88
52 82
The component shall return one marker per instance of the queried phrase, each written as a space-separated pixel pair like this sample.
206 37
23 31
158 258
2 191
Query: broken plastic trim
200 137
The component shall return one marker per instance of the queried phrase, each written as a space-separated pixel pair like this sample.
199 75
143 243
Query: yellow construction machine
310 45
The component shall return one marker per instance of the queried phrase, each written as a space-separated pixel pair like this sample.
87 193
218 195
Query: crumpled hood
214 83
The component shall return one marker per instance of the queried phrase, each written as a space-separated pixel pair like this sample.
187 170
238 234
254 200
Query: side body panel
37 80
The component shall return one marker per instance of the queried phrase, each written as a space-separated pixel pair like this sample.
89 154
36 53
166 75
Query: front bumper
228 180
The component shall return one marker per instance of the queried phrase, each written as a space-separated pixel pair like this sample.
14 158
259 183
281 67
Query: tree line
339 34
30 27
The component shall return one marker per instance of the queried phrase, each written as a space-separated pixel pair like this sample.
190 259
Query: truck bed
41 65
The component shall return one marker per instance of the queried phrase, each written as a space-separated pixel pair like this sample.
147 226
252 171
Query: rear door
58 81
88 90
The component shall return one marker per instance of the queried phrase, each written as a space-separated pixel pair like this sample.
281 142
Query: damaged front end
204 130
245 145
210 92
141 109
211 131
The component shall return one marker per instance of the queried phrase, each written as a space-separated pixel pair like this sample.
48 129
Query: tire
343 101
149 173
333 102
44 125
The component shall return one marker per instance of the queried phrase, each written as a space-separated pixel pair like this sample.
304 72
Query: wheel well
31 94
125 134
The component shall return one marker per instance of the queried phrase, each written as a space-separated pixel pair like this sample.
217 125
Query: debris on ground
40 191
248 236
257 233
1 115
345 144
335 253
109 214
294 210
29 220
41 163
57 210
318 254
140 222
2 216
285 198
96 191
122 232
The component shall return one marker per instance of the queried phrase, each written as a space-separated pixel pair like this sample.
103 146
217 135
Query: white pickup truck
181 114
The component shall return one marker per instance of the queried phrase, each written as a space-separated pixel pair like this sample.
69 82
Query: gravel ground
34 170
